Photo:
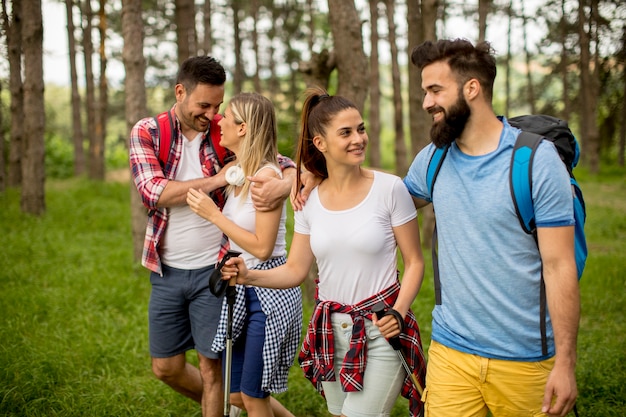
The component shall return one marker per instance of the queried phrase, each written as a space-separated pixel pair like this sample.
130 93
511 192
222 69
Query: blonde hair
259 145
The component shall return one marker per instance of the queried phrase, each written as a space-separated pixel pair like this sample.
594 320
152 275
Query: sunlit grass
73 332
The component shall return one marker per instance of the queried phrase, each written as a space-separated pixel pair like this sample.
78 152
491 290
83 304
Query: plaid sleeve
285 162
145 169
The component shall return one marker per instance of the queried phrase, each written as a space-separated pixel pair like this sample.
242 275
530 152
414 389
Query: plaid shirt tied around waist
316 357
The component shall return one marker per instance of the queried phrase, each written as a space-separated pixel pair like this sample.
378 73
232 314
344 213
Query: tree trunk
77 124
13 30
254 12
207 42
483 12
239 74
530 89
186 38
135 104
507 63
33 173
398 108
90 97
348 44
564 65
420 120
588 100
316 72
374 117
97 163
3 180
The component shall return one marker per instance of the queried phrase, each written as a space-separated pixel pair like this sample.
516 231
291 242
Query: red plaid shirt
317 354
150 178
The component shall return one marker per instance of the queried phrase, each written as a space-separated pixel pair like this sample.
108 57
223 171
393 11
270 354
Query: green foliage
74 309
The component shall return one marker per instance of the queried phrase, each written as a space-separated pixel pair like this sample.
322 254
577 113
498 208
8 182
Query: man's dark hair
465 60
200 70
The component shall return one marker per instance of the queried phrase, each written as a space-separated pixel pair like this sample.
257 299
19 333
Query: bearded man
486 353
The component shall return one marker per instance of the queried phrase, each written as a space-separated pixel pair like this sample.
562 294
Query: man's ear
472 89
179 92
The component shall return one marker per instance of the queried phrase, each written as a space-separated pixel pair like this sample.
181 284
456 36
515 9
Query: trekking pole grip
381 310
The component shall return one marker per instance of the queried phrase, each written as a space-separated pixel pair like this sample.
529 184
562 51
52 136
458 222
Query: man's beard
450 127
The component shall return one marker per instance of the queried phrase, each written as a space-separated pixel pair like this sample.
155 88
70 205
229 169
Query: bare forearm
175 192
284 276
564 308
411 284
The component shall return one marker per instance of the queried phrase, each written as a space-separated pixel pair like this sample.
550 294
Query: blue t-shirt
490 269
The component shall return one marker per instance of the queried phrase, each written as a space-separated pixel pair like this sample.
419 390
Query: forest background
563 57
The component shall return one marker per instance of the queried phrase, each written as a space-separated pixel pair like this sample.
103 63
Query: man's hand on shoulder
299 197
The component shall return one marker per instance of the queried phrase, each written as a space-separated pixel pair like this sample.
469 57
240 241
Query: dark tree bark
256 78
564 65
239 74
530 89
135 103
351 61
398 119
317 71
3 165
507 63
186 37
33 172
77 124
13 31
207 40
422 27
90 95
590 140
483 11
96 150
374 116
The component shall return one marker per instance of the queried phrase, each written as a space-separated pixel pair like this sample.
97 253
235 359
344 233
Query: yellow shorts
463 385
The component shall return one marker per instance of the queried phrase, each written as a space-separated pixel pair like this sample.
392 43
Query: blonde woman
267 322
352 225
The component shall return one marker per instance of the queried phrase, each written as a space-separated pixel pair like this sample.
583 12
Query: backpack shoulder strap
216 136
434 165
520 178
165 127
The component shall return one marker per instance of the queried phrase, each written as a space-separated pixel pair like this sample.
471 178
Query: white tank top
244 215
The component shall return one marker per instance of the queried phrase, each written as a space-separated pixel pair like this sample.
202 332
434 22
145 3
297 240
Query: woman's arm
291 274
259 243
408 239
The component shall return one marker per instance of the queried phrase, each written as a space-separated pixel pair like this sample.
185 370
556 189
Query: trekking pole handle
381 310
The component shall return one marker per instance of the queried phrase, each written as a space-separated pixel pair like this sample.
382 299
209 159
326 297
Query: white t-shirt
190 242
243 214
355 248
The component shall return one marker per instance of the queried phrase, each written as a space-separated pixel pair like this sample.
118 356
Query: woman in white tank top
267 322
352 225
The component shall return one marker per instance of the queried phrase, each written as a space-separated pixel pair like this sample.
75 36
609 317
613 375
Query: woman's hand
202 205
235 268
388 325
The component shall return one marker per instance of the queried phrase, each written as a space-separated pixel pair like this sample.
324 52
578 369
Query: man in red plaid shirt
181 248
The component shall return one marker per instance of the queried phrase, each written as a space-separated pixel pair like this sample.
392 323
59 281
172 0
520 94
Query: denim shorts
183 313
247 361
383 377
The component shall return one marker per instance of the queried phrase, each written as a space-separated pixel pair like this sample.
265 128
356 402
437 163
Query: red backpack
165 127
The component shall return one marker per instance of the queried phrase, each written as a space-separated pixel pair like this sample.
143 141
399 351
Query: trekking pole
380 311
218 287
231 295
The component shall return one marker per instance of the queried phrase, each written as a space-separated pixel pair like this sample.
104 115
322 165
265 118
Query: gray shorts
183 314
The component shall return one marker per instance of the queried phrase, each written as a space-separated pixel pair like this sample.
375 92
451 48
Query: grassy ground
73 308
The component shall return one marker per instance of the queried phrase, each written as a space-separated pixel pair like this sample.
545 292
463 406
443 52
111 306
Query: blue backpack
535 128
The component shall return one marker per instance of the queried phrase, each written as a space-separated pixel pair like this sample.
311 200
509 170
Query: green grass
73 307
